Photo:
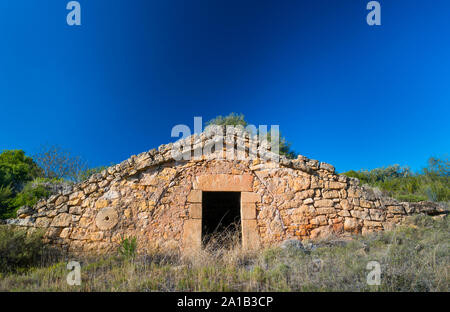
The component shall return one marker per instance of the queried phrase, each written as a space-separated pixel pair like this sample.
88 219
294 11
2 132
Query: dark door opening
221 218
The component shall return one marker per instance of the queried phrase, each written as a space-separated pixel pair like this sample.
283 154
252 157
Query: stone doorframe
192 229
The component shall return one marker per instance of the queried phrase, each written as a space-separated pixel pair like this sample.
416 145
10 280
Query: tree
58 163
234 119
438 167
16 170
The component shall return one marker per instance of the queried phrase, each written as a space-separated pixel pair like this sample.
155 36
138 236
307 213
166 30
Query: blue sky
342 92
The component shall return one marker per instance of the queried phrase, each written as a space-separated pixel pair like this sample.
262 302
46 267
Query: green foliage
128 247
411 198
433 183
438 167
31 192
19 250
5 193
16 168
234 119
28 196
231 119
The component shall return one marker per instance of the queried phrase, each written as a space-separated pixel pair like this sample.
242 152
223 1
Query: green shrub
16 169
5 194
19 250
31 192
128 247
411 198
234 119
432 183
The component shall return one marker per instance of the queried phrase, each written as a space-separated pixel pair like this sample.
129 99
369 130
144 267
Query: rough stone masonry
158 200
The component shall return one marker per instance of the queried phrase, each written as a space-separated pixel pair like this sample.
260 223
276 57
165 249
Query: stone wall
159 200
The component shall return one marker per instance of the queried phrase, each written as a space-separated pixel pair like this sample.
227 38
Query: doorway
221 218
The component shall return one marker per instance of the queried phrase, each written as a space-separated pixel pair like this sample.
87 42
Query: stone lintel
224 183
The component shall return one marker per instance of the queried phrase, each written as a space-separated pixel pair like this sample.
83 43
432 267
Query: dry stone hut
171 203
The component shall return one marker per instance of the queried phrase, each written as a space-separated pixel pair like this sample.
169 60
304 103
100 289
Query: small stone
323 203
60 200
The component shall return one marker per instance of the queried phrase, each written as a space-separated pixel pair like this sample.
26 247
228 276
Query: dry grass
412 258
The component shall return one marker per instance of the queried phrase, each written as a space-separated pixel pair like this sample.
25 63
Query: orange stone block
224 183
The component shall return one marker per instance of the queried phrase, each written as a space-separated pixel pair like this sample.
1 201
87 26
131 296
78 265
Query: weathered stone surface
53 232
330 194
76 210
336 185
302 183
192 235
195 211
250 197
319 220
396 209
42 222
325 211
323 203
360 214
62 220
74 202
224 183
101 203
248 211
321 232
195 196
90 188
250 234
24 211
106 218
376 215
65 233
351 225
60 200
305 194
327 167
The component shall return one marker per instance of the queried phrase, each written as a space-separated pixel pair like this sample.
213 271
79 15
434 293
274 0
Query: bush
432 183
411 198
234 119
19 250
16 169
128 247
30 194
